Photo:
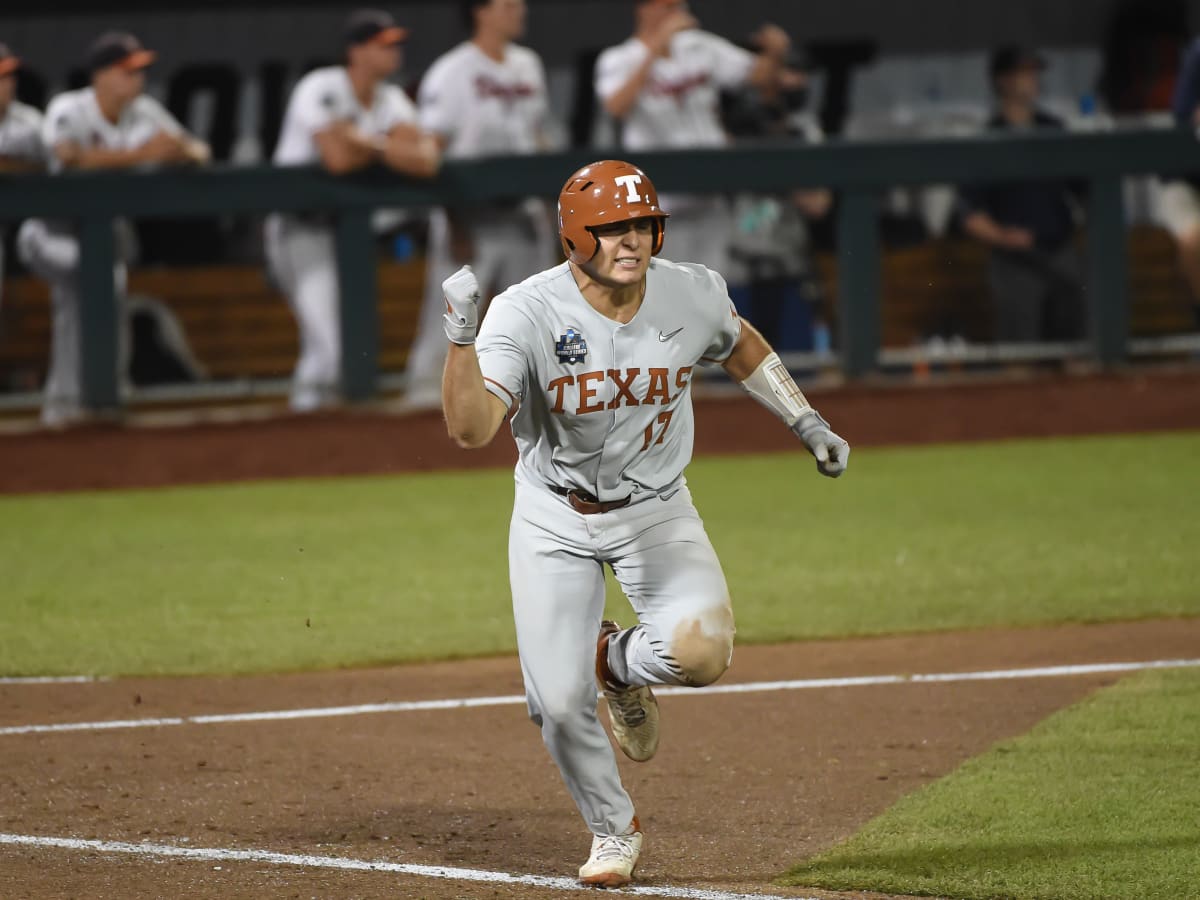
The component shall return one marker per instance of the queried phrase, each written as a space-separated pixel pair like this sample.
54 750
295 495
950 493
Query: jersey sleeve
440 101
314 105
503 350
615 65
156 116
723 316
731 64
400 110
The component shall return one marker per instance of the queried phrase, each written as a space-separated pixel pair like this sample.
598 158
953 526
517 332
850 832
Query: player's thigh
675 583
558 601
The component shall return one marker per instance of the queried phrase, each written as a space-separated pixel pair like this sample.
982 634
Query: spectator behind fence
485 97
110 125
20 137
662 85
1181 197
345 117
770 273
1035 270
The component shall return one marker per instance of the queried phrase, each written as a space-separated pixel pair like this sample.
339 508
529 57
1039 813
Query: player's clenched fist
461 321
831 451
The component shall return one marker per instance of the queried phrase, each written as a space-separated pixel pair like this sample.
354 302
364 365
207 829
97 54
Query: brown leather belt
588 504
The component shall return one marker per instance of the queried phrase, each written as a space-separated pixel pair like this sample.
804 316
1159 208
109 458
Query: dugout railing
861 172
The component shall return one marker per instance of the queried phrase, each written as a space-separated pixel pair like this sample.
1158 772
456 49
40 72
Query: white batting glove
831 451
461 320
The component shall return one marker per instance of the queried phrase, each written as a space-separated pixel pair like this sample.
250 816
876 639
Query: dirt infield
371 442
744 785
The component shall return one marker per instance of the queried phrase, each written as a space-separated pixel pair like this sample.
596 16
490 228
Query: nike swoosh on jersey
667 337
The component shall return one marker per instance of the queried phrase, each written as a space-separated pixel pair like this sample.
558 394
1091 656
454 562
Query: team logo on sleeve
571 347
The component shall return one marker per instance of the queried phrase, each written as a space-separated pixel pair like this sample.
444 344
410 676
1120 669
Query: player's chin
623 273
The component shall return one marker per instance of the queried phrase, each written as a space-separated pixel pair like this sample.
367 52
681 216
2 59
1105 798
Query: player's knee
563 709
703 646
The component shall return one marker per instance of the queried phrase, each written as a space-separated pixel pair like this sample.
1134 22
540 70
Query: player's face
122 84
656 11
1022 85
504 17
383 59
625 251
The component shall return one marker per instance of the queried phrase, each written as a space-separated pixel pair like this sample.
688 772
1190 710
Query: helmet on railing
601 193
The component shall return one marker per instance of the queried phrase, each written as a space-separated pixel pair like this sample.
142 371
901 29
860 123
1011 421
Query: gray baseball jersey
600 405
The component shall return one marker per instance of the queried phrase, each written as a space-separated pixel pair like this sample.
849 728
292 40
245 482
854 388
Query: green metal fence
859 172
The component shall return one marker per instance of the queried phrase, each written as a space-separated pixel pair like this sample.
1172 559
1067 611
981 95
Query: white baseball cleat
633 711
613 858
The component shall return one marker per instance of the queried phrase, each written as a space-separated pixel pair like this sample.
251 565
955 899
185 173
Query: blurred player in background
20 135
486 97
110 125
1034 269
663 86
1181 198
344 117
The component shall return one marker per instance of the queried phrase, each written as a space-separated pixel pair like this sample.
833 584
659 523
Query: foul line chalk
51 679
753 687
448 873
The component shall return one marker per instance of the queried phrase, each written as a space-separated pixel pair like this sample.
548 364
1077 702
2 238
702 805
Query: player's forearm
756 367
420 155
346 149
103 158
16 165
473 414
619 103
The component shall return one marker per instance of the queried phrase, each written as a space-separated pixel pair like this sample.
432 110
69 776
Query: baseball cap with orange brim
373 26
118 48
8 62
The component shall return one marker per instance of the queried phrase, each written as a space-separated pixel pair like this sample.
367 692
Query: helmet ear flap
660 234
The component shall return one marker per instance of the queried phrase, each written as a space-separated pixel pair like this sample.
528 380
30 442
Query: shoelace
614 846
628 706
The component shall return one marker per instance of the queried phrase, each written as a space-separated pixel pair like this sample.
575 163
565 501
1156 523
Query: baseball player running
20 132
593 361
664 84
109 125
486 97
344 117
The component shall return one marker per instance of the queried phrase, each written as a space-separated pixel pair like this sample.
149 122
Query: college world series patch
571 347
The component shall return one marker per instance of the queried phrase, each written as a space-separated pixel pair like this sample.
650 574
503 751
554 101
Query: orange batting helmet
600 193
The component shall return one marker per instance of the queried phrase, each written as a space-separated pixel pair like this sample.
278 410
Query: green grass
305 574
1099 802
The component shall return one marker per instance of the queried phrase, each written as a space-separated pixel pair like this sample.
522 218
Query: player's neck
619 302
492 45
363 84
110 107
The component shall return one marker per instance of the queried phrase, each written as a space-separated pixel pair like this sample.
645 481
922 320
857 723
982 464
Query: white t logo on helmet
630 183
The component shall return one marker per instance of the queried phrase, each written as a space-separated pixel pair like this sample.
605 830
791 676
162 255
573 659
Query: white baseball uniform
301 248
20 139
51 248
480 107
606 408
679 108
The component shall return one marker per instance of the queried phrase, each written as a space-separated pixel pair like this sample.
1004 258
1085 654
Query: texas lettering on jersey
677 89
584 393
486 86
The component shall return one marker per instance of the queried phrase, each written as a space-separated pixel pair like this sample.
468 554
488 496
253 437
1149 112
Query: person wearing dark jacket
1035 270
